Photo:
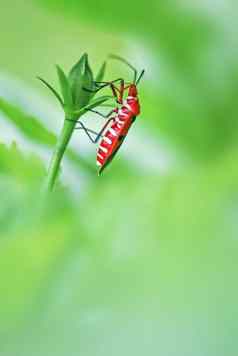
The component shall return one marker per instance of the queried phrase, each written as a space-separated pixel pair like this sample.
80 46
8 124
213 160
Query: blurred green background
142 260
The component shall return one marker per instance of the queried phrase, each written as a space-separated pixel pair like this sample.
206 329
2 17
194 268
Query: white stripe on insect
100 156
99 164
121 113
104 149
119 121
107 140
131 97
127 106
113 132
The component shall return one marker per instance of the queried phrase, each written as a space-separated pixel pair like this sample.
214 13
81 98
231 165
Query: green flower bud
81 82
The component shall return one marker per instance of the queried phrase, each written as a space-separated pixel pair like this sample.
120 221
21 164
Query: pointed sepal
101 73
53 90
81 82
65 88
97 102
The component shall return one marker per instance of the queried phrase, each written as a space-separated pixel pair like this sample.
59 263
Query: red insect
120 118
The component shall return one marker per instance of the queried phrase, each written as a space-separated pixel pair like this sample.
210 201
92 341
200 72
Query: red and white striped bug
120 118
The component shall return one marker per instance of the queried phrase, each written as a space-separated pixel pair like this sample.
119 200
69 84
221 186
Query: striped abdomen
116 132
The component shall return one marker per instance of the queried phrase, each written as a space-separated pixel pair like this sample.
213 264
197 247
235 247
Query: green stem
59 151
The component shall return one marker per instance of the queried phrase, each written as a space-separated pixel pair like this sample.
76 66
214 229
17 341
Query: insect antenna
140 76
114 56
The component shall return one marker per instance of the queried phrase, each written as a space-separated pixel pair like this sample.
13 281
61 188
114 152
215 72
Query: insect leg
140 76
109 83
103 129
105 116
95 90
114 89
88 131
104 85
107 105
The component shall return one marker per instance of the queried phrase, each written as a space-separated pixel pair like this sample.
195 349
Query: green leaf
24 168
65 88
101 72
27 124
81 78
33 130
58 97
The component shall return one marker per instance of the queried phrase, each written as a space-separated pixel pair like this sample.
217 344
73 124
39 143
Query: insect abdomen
118 129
